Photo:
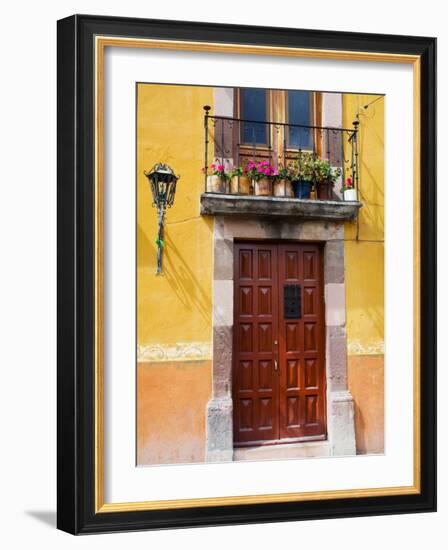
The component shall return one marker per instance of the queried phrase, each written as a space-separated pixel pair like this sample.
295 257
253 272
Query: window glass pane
300 112
253 107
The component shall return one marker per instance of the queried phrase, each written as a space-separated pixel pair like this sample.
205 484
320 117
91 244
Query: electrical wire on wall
362 112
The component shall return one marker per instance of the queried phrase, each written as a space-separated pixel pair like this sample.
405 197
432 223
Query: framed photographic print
246 274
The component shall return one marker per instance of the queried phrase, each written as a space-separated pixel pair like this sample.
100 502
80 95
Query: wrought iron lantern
162 180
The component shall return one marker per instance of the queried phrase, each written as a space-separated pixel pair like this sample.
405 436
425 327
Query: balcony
216 204
312 171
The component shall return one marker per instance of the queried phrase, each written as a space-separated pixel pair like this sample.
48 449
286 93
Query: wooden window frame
276 111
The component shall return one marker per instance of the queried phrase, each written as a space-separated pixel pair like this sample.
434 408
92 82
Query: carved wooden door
278 375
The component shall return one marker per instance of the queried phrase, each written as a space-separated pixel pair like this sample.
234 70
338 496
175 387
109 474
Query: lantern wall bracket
162 180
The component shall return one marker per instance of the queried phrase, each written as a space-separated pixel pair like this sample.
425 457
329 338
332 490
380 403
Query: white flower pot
350 195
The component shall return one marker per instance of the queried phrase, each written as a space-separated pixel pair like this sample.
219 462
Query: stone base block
341 423
219 430
311 449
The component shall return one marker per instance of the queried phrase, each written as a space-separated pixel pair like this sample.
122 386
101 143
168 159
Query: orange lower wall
172 399
171 405
366 384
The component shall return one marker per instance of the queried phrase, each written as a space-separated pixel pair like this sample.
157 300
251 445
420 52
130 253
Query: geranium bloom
220 167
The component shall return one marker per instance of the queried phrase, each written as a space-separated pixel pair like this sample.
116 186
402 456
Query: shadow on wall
183 281
372 213
366 384
371 154
184 289
360 430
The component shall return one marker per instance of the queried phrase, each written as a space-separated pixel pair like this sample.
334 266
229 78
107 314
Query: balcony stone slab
214 204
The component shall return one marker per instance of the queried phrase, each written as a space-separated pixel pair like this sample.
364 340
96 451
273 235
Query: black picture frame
76 301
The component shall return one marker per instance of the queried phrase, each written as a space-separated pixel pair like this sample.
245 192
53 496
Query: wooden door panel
310 337
265 266
301 344
279 372
291 262
264 300
291 337
246 375
311 374
309 302
310 272
293 412
292 374
245 261
255 325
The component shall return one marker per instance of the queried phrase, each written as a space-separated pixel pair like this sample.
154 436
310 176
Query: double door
278 355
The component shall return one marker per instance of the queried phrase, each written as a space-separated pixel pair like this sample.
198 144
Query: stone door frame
340 406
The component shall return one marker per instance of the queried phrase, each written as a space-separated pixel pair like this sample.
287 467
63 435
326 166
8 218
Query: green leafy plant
284 173
236 171
302 168
323 172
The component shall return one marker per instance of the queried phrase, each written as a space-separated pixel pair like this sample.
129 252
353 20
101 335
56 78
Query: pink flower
220 167
212 166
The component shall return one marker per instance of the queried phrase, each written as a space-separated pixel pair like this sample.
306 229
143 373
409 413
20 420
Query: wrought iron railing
235 142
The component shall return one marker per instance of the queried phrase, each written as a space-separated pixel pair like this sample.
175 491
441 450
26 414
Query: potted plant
282 183
348 188
301 175
261 173
217 180
240 182
324 177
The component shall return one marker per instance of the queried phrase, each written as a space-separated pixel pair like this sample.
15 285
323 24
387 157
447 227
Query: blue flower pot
302 189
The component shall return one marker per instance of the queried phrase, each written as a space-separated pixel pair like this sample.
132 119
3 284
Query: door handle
275 364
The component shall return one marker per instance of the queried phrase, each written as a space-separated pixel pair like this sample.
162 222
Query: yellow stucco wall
175 307
364 276
174 311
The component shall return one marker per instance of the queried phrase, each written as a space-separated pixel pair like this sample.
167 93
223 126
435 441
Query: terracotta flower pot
215 184
350 195
283 188
245 187
263 187
324 190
